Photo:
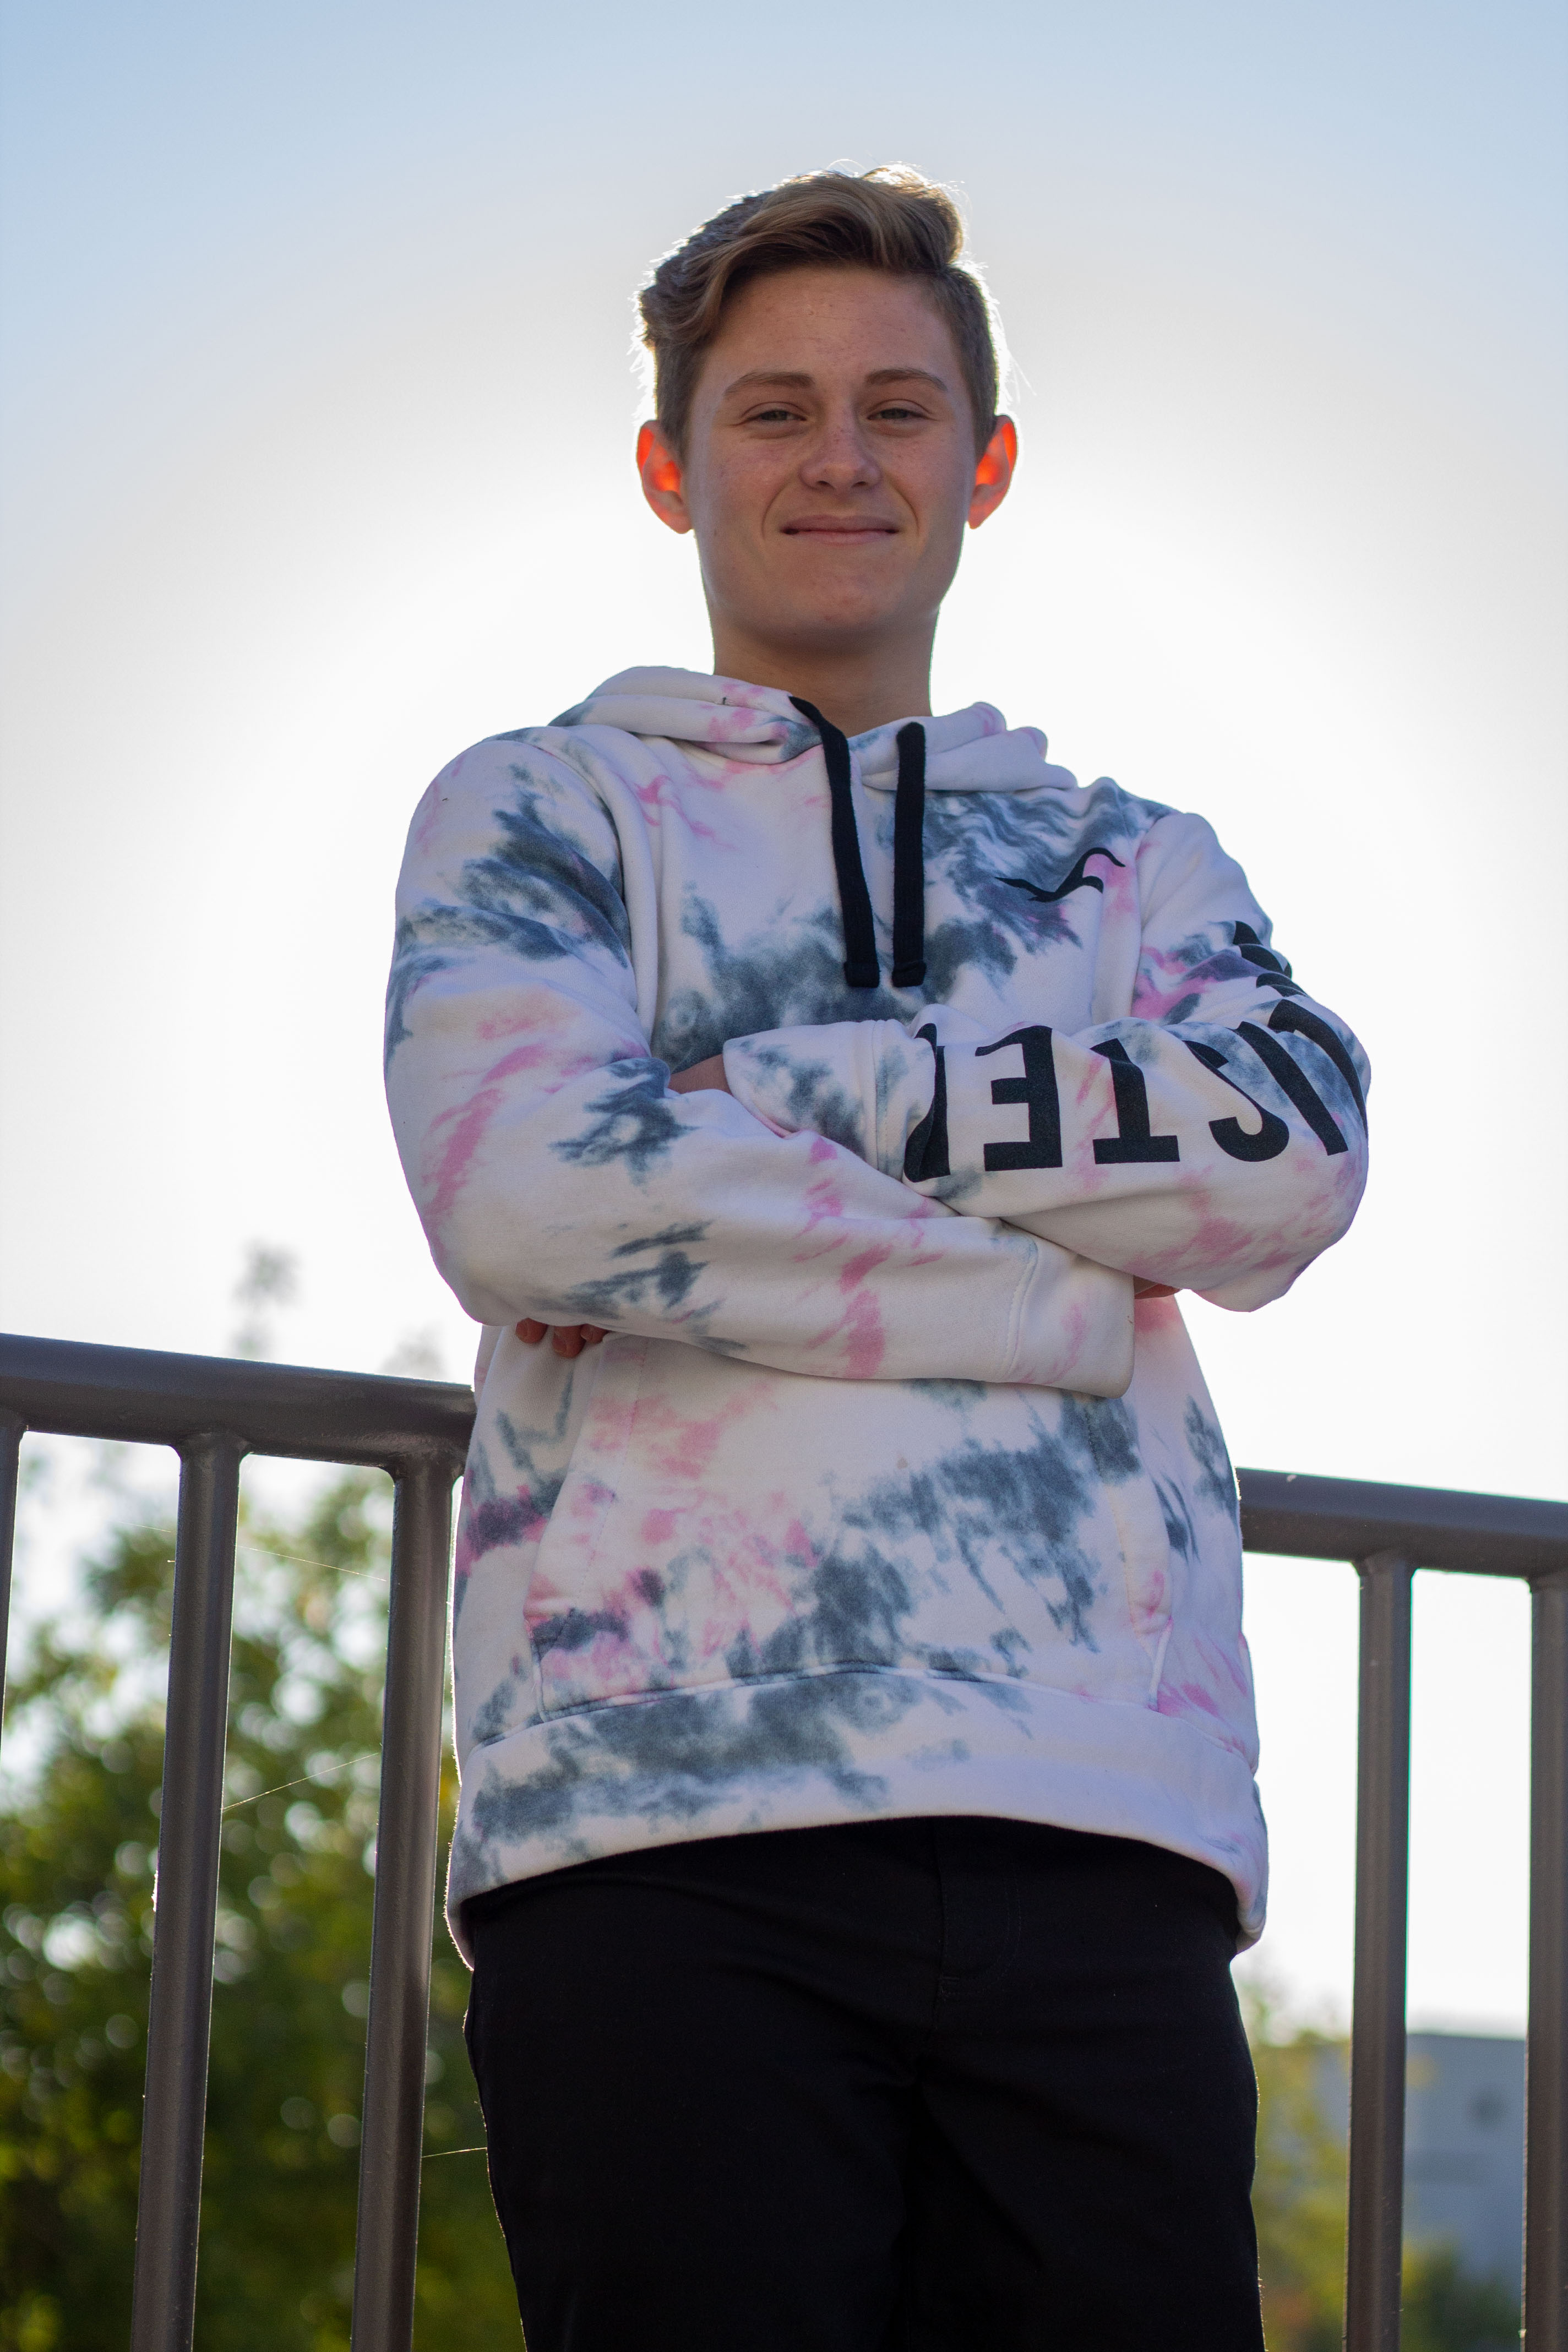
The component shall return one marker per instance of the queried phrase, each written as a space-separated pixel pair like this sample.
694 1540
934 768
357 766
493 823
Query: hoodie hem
853 1744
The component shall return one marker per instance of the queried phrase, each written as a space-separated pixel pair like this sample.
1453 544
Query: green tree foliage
1445 2311
77 1857
1299 2190
77 1860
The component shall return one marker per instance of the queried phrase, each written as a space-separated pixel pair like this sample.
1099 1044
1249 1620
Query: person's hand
709 1074
566 1338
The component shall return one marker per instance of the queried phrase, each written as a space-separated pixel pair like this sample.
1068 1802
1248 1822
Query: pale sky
317 424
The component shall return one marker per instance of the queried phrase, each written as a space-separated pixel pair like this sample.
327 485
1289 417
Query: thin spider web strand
306 1779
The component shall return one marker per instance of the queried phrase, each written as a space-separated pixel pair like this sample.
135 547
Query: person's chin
851 588
831 624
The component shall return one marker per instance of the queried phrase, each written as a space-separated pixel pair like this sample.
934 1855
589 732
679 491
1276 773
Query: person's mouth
841 530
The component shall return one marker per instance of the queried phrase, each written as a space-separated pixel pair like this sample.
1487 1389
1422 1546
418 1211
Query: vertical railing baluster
386 2238
1375 2236
1546 2065
190 1821
12 1427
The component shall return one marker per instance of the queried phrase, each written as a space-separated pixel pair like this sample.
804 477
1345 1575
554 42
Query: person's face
831 465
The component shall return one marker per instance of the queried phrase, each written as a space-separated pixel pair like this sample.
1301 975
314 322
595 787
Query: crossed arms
857 1200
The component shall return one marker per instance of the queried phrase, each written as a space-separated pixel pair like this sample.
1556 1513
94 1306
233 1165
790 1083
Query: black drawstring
861 969
908 859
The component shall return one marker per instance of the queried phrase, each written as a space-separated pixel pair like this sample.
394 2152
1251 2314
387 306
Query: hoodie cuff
1074 1326
864 1085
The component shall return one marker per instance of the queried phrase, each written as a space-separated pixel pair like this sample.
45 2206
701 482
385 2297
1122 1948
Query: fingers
566 1339
571 1338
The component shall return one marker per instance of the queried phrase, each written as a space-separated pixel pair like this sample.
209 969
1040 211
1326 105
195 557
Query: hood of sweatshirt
969 751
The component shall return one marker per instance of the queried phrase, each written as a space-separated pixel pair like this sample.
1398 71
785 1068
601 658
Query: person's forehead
801 324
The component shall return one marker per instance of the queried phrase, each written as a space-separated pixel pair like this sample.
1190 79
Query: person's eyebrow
795 377
910 375
798 378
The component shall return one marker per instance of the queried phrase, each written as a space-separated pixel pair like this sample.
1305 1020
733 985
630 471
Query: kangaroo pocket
722 1522
672 1558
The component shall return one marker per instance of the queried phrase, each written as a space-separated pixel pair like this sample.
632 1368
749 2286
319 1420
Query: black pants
946 2085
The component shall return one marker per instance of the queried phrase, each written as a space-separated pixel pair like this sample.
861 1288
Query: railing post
12 1427
1375 2236
392 2136
179 2025
1546 2070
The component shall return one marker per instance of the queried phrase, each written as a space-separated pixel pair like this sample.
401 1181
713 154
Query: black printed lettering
925 1154
1286 1017
1293 1080
1251 950
1037 1089
1264 1143
1134 1142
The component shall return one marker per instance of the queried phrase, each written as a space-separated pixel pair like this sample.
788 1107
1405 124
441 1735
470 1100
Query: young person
858 1815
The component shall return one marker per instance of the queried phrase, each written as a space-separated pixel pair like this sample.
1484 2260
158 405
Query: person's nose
841 458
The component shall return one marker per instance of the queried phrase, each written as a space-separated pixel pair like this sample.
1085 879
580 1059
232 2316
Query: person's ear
994 474
663 478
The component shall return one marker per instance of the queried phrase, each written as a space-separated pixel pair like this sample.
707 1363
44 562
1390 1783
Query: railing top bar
1434 1526
65 1388
71 1390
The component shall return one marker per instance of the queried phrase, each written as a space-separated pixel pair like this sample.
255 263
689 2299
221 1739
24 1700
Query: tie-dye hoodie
887 1495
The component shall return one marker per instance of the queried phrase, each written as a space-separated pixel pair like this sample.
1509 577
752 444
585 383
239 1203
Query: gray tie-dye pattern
789 976
1217 1479
819 1531
672 1761
633 1123
413 965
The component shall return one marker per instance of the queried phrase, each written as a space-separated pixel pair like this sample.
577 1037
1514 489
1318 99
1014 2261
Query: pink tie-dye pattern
1165 980
466 1124
658 796
747 1557
467 1127
428 814
737 1569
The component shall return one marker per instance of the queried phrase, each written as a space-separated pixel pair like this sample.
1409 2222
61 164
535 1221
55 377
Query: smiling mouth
847 532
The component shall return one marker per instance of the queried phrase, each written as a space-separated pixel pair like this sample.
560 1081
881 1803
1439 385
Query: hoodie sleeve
557 1176
1214 1138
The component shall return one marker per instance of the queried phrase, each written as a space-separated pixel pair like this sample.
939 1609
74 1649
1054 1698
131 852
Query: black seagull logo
1079 879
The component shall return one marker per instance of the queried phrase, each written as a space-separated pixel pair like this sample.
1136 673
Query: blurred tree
77 1857
1299 2189
270 1279
1446 2310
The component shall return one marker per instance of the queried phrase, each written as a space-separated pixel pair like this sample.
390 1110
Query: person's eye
773 416
897 411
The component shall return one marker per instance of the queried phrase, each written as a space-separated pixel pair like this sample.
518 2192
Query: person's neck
856 689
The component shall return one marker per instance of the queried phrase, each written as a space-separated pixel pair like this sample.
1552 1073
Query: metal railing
1389 1532
213 1413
